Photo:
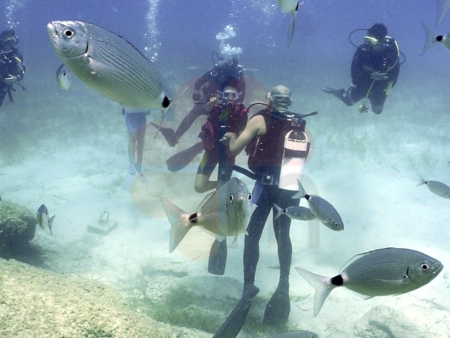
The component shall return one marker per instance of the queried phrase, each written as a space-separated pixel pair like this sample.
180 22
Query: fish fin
421 181
430 39
180 225
441 8
278 210
50 224
291 29
321 285
301 191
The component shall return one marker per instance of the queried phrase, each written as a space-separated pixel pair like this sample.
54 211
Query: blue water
367 165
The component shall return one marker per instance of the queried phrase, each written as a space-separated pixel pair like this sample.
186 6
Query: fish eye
424 266
68 33
249 197
231 198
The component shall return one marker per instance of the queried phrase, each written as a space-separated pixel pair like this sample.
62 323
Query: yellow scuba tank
296 148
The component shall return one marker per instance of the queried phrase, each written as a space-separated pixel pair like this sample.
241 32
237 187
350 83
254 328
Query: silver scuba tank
296 147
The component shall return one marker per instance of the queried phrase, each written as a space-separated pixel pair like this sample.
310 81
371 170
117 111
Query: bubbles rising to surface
153 45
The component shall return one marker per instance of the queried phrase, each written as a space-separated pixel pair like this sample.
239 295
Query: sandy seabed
380 205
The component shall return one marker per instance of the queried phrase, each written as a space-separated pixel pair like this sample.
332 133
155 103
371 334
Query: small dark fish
382 272
322 209
294 212
436 187
42 218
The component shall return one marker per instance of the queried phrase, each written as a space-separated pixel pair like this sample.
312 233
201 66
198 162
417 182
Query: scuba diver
226 113
213 81
12 68
375 69
274 139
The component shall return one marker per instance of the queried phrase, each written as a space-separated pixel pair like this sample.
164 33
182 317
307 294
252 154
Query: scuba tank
296 149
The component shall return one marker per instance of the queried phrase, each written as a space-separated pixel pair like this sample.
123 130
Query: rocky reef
17 228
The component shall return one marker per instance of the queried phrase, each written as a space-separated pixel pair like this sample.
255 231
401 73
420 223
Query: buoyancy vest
265 152
234 119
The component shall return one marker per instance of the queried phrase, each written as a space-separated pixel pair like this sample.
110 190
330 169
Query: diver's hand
377 76
10 80
227 137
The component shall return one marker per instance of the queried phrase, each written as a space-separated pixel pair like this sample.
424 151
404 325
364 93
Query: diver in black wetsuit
375 69
12 68
264 142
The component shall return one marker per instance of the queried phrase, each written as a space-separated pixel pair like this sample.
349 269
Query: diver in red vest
265 140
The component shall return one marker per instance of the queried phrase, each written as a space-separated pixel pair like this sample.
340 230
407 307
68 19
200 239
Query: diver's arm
255 126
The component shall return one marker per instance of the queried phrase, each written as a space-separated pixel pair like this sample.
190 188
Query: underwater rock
39 303
17 228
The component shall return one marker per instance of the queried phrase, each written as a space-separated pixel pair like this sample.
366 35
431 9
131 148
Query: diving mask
230 95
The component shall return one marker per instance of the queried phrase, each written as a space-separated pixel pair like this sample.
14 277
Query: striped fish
223 212
108 63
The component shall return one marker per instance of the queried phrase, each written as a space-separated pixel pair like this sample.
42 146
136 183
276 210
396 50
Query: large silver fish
43 219
432 39
63 77
108 63
436 187
223 212
382 272
322 209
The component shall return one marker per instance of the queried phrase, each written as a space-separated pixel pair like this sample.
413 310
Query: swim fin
279 306
218 258
184 157
236 319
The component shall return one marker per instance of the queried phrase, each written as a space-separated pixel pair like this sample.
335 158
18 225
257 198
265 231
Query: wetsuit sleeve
360 58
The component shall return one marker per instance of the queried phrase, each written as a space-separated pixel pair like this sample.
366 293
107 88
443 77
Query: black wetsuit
11 64
265 157
367 60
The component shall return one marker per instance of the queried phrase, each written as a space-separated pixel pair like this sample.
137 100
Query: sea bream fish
294 212
442 7
322 209
290 6
108 63
436 187
223 212
432 39
63 77
382 272
43 220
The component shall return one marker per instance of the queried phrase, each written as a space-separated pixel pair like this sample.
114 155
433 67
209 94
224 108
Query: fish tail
421 181
50 224
321 285
179 223
291 29
301 191
430 40
278 210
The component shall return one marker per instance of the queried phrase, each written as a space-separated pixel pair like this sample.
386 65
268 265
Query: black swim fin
236 319
184 157
218 258
279 306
